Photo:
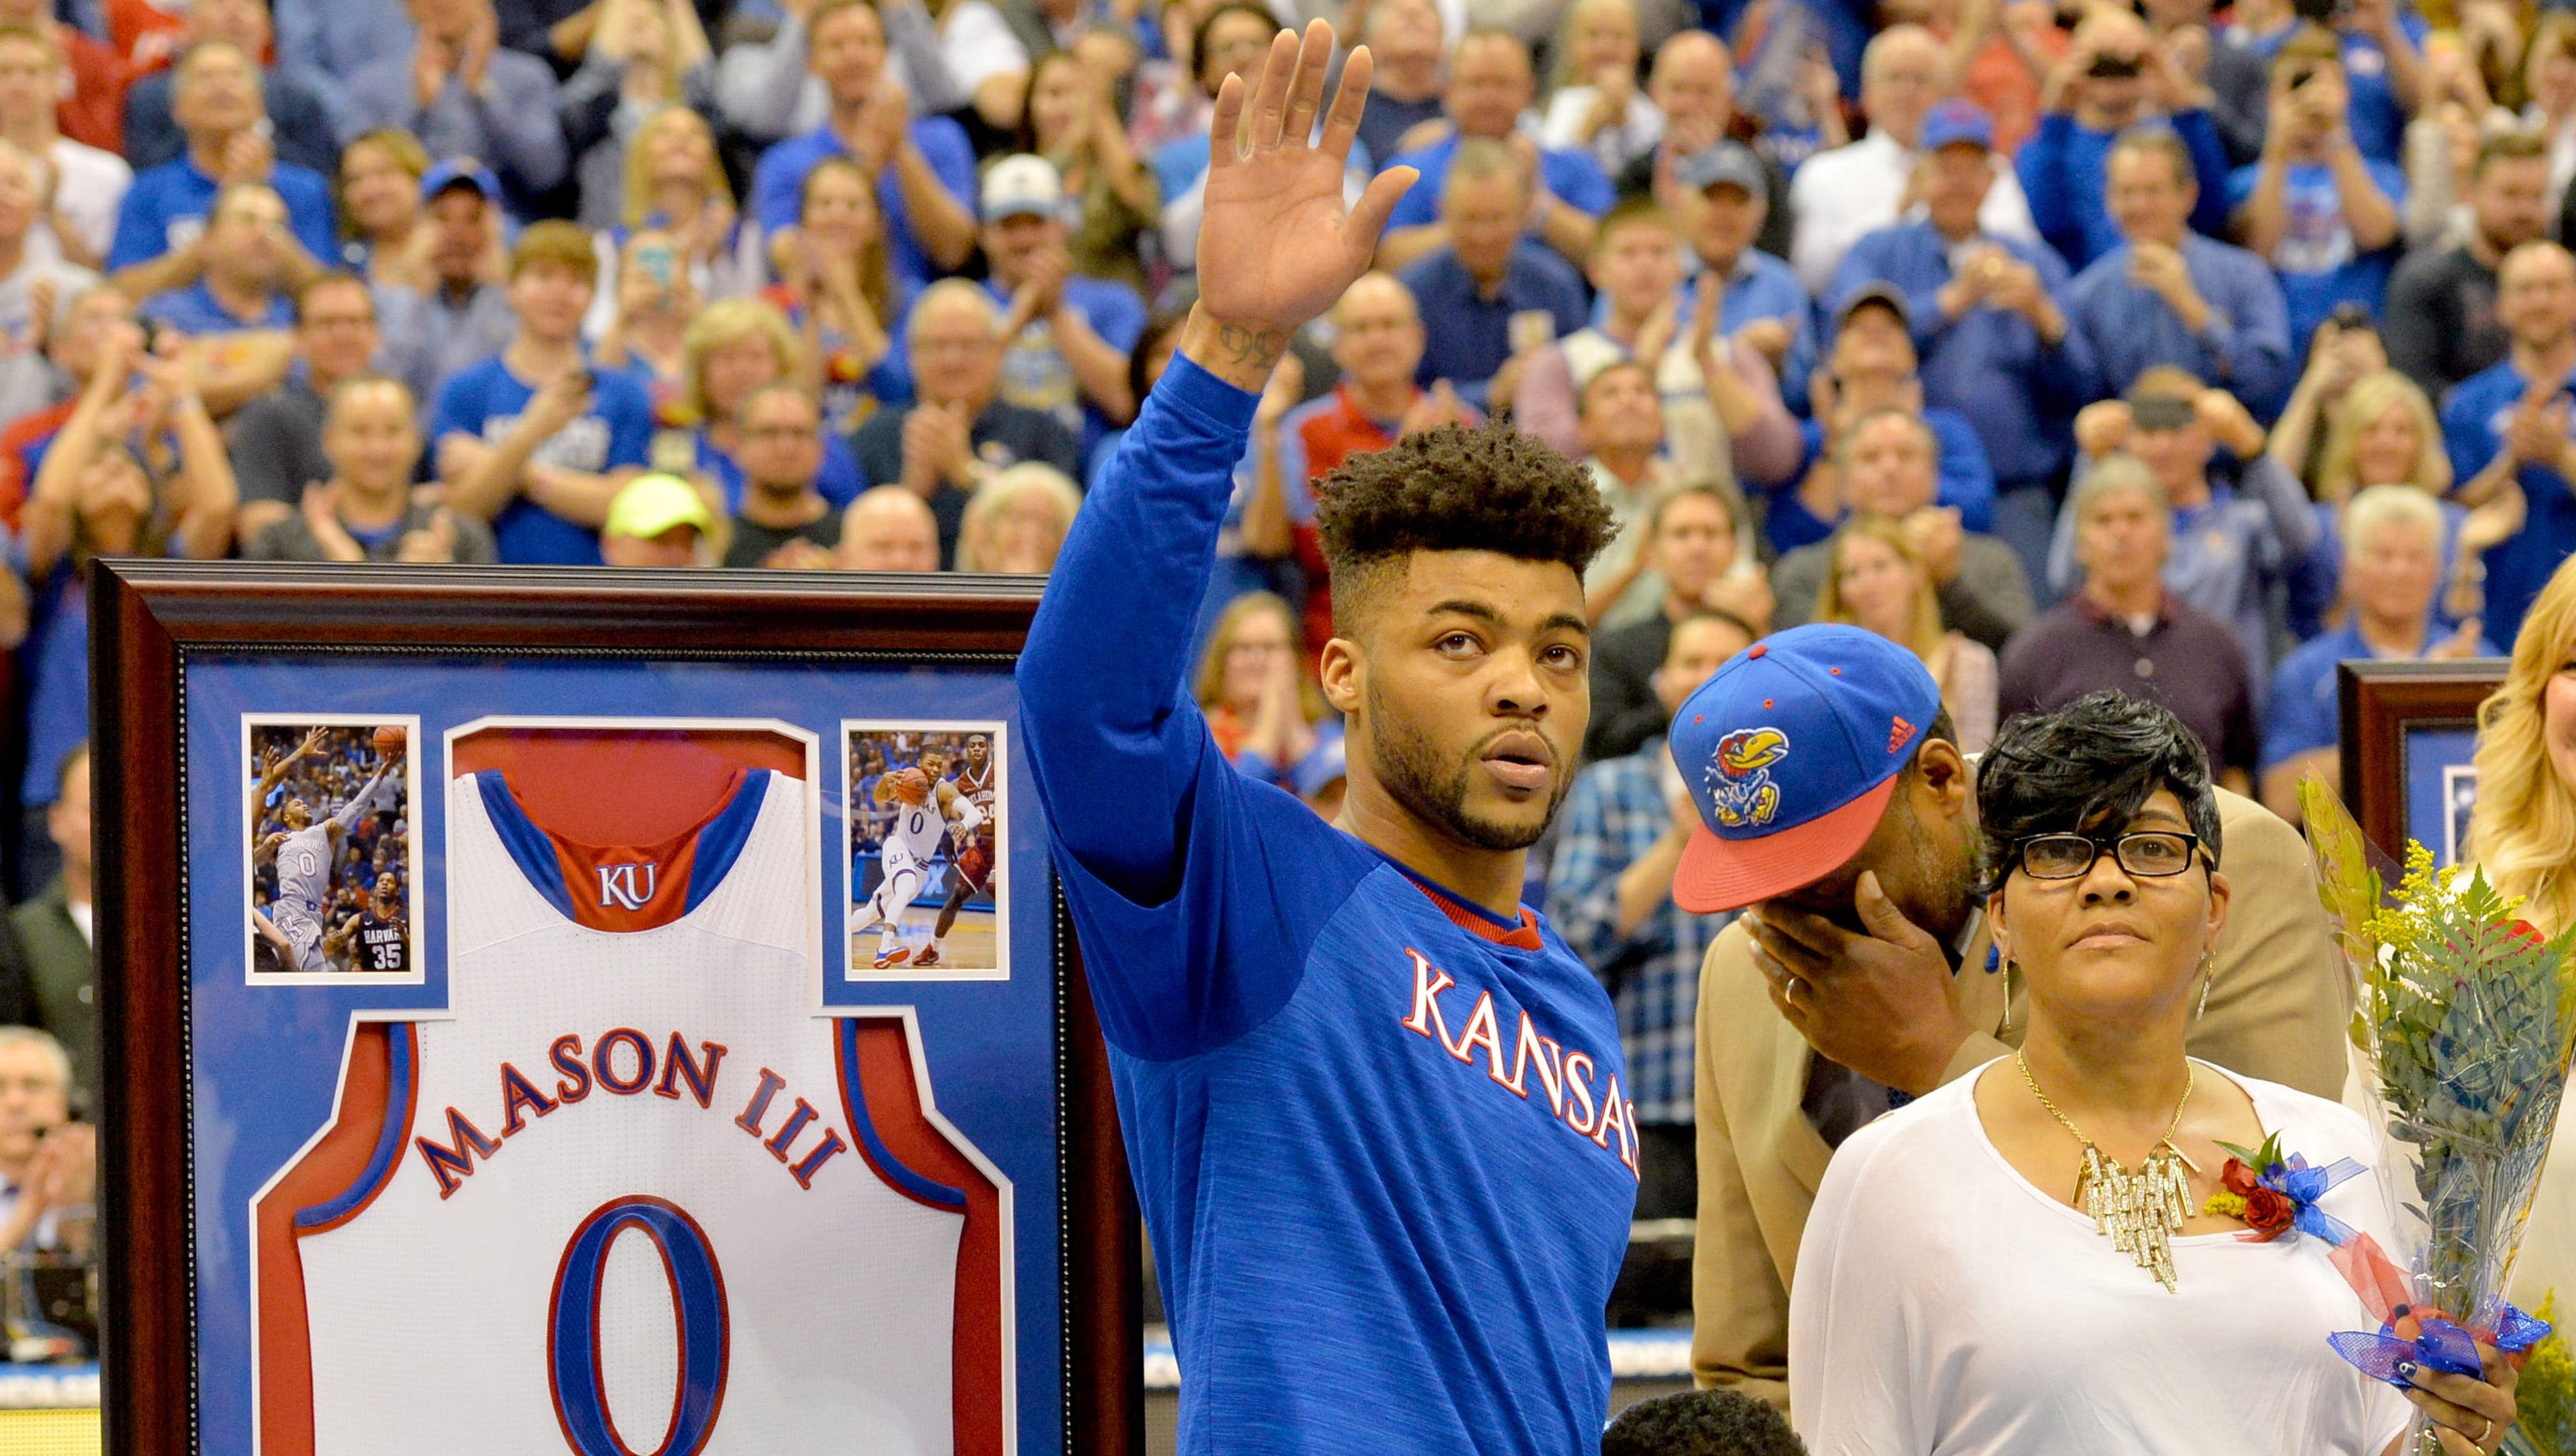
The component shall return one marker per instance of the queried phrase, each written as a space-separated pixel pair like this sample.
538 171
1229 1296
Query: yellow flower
2225 1205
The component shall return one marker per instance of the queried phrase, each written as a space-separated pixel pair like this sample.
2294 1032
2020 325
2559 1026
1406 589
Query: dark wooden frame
2381 703
149 616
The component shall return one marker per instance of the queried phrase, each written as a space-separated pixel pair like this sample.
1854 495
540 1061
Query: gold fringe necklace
2140 1211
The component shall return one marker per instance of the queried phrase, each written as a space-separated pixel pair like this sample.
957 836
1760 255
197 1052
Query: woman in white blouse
1952 1297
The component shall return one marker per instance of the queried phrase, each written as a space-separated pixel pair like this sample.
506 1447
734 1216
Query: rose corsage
2276 1194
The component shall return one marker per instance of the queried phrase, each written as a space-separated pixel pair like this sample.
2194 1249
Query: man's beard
1410 768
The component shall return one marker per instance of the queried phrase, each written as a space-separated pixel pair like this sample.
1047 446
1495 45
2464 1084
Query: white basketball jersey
917 829
635 1207
304 872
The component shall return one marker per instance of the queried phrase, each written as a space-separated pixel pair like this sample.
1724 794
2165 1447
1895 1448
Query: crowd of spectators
2070 345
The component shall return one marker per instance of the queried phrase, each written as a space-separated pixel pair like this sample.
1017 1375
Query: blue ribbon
2303 1186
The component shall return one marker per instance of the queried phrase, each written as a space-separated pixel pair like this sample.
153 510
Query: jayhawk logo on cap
1741 794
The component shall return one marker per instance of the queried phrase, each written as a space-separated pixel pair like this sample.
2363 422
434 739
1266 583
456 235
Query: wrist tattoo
1257 348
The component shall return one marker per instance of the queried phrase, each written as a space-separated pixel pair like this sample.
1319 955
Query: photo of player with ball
925 851
331 850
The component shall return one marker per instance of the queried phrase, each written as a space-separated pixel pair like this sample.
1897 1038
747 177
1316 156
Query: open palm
1276 246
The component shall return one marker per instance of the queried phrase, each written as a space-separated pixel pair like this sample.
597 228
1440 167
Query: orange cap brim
1728 874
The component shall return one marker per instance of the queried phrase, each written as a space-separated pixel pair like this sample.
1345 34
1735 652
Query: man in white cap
1069 336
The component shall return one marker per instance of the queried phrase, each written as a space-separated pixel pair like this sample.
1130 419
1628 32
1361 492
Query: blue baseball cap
1791 751
1957 123
459 172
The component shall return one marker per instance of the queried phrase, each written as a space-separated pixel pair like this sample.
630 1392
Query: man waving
1374 1105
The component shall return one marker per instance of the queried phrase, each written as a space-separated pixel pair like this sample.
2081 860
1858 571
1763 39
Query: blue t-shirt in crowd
485 402
839 481
2305 707
1966 482
166 209
2065 166
2377 122
1379 1135
2243 347
2316 260
1469 335
2474 416
778 190
1988 364
56 662
1573 177
193 310
1035 373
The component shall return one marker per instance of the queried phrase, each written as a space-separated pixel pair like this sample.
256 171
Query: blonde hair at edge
2523 830
1923 632
2360 407
726 322
1006 490
638 202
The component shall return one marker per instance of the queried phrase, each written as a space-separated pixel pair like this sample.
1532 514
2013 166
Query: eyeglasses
2149 854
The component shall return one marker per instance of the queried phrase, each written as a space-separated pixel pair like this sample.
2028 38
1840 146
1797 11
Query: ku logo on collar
1741 793
627 886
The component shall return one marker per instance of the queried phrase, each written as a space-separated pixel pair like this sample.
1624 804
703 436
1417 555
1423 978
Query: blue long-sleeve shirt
1966 482
2244 347
328 42
2065 166
513 128
2474 417
2019 393
1361 1114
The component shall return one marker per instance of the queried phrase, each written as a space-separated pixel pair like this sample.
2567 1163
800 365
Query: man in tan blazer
1859 976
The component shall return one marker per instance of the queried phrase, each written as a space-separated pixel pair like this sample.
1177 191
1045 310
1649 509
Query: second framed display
675 1047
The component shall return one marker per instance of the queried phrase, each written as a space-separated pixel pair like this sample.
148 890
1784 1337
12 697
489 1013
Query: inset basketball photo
333 849
926 841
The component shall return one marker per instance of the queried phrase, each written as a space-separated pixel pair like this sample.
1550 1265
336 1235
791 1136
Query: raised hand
1277 247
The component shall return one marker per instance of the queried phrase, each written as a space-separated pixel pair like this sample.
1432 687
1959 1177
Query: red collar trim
1481 925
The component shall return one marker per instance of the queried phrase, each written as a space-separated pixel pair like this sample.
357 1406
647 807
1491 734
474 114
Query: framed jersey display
592 1012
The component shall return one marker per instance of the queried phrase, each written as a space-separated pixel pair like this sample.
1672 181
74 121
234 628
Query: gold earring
2206 980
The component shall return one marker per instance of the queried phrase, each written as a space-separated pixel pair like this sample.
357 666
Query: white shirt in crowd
1638 131
89 188
1944 1304
1839 196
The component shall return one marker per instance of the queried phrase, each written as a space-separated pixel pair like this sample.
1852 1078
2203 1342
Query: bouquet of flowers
2466 1018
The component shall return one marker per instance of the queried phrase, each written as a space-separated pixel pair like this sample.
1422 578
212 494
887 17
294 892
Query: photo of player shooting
328 850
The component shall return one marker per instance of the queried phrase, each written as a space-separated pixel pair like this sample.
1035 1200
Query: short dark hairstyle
1207 27
333 278
2094 762
1490 488
1701 1423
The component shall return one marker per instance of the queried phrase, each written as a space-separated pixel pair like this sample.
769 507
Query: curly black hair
1490 488
2096 761
1701 1423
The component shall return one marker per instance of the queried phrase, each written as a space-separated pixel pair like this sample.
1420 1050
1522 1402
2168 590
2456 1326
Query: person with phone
2381 45
2114 77
2327 218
